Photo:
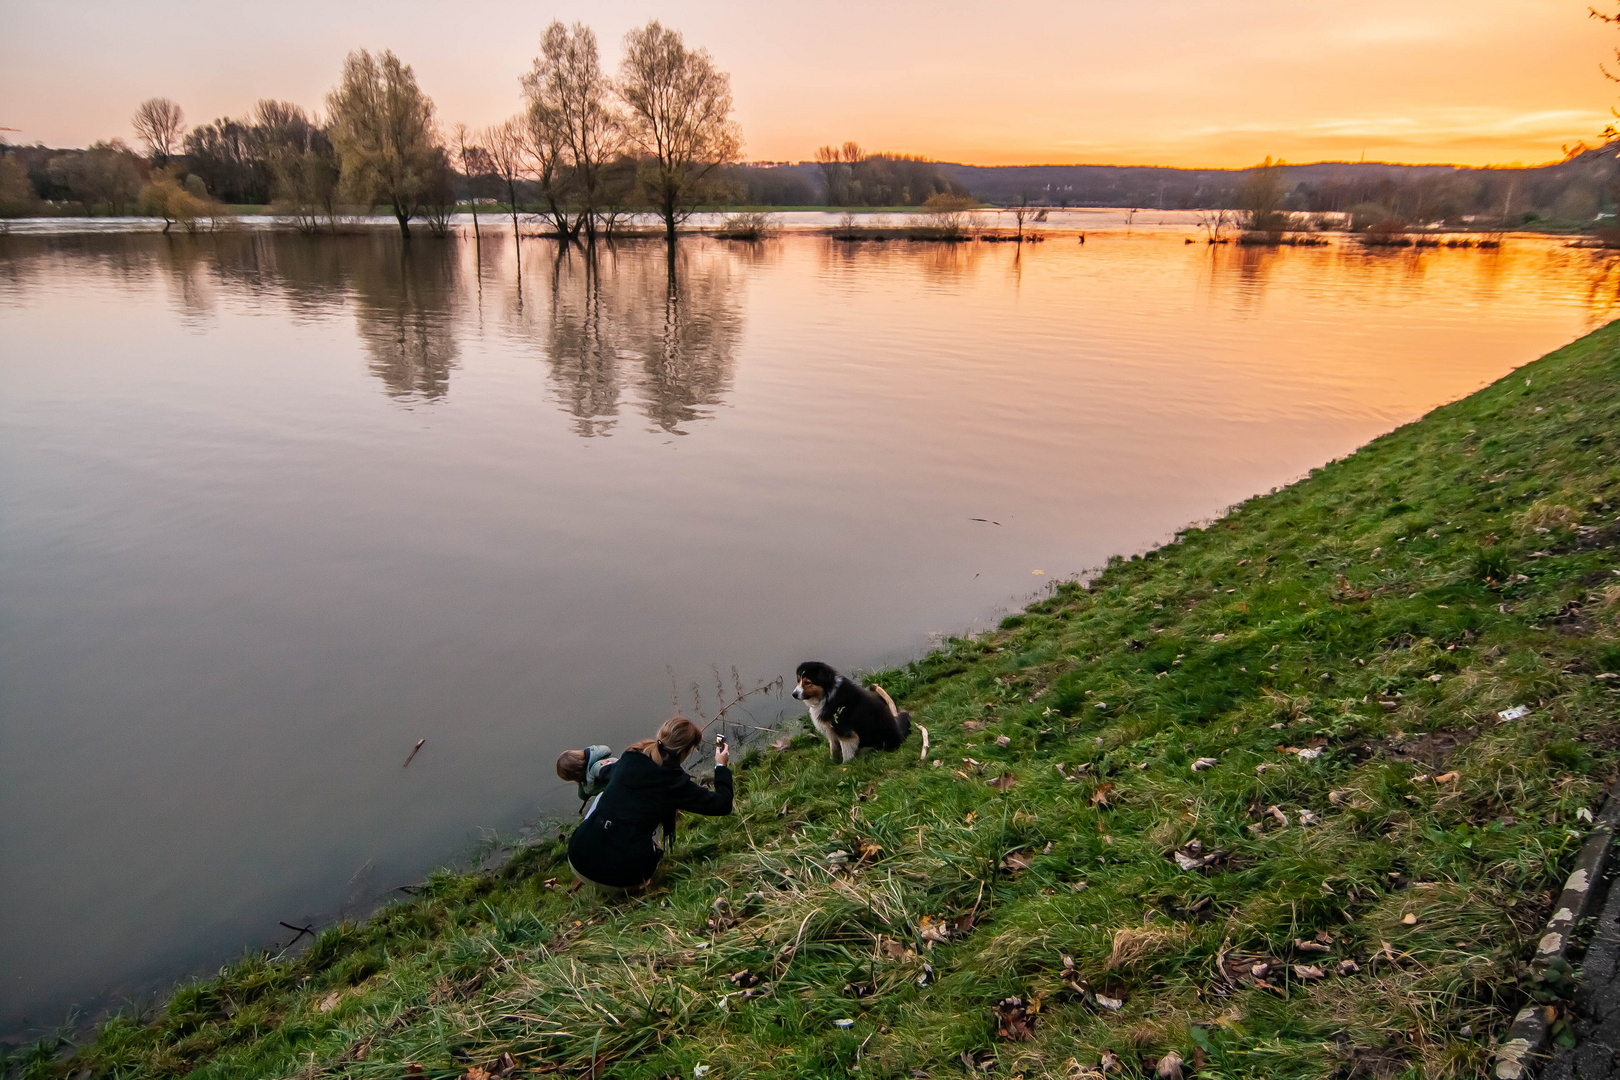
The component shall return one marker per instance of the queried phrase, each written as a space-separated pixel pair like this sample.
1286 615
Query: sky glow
1166 82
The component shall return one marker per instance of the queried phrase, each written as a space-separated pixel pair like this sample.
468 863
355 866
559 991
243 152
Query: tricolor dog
848 715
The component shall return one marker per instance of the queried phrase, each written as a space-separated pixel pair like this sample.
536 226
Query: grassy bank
1275 741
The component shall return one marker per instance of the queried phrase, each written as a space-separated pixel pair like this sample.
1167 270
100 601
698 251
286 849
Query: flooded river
273 509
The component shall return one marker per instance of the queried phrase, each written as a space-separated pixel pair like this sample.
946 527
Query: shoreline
1499 514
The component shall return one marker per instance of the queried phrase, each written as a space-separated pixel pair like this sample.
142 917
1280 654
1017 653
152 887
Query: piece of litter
1409 919
844 1023
1204 763
1515 713
1583 814
1109 1002
699 1072
1310 753
1186 862
1308 818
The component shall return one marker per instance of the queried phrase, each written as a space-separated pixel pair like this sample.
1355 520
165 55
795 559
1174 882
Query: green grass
1382 610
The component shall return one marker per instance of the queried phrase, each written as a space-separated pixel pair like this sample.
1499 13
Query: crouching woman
615 846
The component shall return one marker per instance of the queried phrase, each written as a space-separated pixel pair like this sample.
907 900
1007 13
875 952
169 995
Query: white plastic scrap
699 1072
844 1023
1204 763
1515 713
1310 753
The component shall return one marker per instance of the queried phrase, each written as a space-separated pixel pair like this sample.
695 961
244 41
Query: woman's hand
722 754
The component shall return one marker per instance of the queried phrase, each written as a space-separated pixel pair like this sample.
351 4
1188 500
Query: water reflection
404 310
621 323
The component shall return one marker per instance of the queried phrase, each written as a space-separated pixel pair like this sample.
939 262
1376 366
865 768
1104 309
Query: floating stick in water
414 749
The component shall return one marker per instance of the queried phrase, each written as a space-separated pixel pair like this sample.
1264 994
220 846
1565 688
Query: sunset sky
1168 82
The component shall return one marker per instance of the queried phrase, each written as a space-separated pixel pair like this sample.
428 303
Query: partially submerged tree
571 104
382 127
506 149
679 117
1261 198
159 123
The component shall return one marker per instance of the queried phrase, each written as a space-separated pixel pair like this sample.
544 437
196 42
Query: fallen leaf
1282 818
1310 754
1349 967
1308 971
1099 798
972 725
1111 1003
1109 1062
329 1002
1310 946
1204 763
1187 862
1169 1067
1015 1019
1409 919
1003 782
744 978
1446 778
1308 818
476 1073
1016 860
1003 740
930 931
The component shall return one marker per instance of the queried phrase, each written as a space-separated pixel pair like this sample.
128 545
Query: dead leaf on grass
1308 971
1016 860
1003 782
1015 1020
1099 798
1169 1067
1204 762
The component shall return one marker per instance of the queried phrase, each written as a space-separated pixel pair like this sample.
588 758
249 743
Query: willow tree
678 116
382 128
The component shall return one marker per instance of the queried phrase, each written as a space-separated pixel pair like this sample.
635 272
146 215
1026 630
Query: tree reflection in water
625 322
404 308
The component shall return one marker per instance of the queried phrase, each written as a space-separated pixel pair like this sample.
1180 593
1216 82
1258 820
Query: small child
587 768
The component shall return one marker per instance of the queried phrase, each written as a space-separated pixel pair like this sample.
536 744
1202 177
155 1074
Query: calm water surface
272 509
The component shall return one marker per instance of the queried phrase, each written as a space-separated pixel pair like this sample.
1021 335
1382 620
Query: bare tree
679 108
506 149
382 127
569 90
159 123
473 162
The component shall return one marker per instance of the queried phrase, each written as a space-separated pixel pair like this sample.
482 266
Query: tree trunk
404 222
669 223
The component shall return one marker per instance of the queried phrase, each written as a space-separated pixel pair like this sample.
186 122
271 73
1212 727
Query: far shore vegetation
1290 796
588 149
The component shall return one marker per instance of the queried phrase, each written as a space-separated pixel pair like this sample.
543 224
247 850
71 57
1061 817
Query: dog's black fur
848 715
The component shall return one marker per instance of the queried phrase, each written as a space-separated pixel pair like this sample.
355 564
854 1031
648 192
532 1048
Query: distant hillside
1573 191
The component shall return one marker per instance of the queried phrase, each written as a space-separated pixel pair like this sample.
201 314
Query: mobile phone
719 739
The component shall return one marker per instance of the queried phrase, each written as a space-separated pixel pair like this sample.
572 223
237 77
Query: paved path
1597 1006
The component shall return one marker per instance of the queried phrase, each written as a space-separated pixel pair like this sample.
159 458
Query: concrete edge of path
1526 1037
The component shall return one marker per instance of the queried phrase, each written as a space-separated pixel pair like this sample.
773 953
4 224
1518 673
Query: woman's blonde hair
678 736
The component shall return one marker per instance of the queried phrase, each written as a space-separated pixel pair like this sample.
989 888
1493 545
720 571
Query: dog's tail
902 719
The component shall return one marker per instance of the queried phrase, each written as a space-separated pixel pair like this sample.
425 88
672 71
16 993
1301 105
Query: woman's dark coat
614 844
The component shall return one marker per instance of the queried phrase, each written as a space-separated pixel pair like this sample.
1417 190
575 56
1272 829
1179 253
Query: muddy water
273 509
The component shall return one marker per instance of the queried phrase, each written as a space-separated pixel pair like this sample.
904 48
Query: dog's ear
816 672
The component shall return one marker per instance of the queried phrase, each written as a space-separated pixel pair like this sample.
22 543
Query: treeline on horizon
586 149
